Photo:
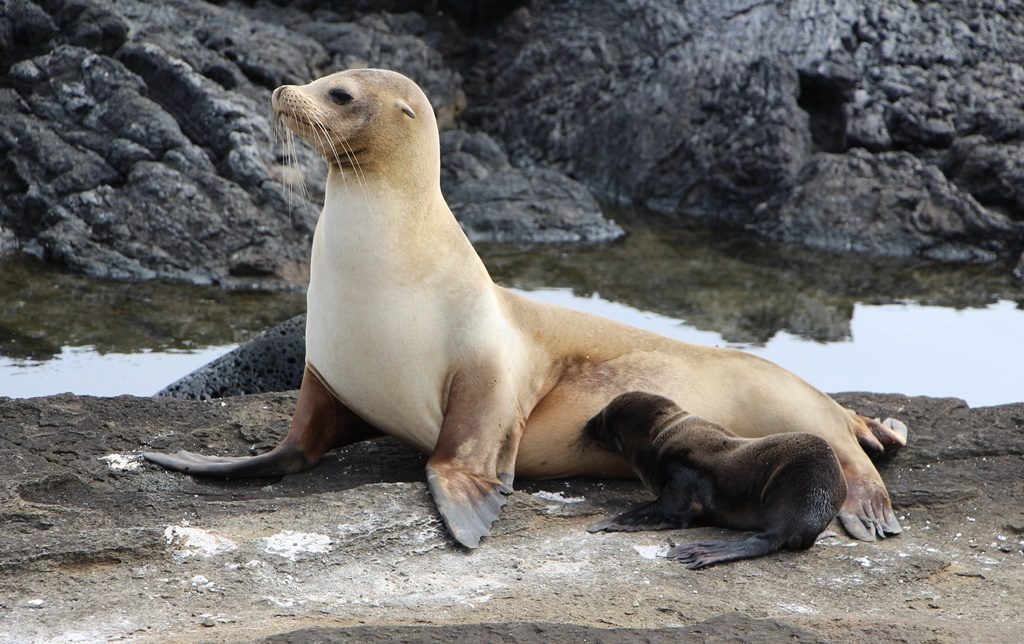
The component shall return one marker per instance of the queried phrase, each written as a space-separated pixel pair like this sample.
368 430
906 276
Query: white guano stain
293 545
122 462
798 609
558 496
650 552
194 542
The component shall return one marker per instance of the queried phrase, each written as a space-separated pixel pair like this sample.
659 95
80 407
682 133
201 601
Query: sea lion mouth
291 118
316 134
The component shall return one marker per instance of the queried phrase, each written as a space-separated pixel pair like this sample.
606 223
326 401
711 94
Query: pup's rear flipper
708 553
652 516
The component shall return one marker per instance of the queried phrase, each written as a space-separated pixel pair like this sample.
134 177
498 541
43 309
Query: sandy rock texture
99 545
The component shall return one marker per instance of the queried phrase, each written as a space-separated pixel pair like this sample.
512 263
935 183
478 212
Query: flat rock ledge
100 545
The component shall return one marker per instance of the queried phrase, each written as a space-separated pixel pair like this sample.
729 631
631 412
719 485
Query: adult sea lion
786 487
408 335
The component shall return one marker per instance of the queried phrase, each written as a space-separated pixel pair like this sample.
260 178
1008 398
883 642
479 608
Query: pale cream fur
399 303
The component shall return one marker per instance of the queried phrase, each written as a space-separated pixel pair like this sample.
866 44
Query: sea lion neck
371 204
372 222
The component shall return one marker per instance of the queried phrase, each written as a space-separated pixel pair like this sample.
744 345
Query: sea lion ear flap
402 105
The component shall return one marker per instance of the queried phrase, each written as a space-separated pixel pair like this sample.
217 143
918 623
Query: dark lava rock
713 109
124 160
137 144
495 202
272 361
626 100
888 203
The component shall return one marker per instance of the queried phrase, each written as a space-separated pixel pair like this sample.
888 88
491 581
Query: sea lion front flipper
471 469
320 423
650 516
468 504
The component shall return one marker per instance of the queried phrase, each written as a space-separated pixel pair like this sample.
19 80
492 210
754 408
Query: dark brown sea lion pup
786 488
408 335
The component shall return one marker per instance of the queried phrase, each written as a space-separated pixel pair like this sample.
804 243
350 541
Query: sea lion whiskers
353 161
287 139
315 117
350 154
323 142
317 128
357 169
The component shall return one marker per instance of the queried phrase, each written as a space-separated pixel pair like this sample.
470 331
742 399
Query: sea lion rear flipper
706 553
867 512
878 438
473 463
650 516
319 424
276 462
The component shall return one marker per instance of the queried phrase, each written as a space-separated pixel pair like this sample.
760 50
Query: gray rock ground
99 545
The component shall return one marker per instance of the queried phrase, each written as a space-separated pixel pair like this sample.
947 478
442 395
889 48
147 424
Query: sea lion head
631 421
363 121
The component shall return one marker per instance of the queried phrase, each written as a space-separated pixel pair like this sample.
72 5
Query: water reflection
46 309
740 286
975 354
963 337
86 371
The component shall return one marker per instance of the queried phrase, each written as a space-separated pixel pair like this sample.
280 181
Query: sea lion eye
340 96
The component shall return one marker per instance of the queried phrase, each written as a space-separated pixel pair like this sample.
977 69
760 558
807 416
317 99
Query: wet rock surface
101 545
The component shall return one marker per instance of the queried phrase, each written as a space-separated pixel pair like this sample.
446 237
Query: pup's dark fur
786 488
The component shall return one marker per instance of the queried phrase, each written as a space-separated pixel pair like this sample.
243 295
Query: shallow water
974 354
63 332
841 322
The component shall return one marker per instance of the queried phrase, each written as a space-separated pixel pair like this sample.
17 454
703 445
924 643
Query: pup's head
630 422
